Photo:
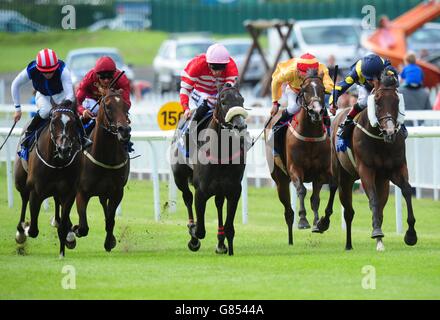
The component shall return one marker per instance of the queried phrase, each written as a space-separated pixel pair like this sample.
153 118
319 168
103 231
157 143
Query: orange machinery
389 40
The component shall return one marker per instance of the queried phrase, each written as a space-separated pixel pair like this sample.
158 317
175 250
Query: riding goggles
106 75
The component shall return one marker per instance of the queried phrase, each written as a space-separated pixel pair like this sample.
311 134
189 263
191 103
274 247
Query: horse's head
63 131
387 106
229 111
113 114
311 95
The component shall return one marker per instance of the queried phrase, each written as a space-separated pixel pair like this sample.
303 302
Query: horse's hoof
194 246
80 232
110 243
54 223
221 250
380 247
303 223
70 240
200 234
377 233
321 226
410 238
20 238
348 248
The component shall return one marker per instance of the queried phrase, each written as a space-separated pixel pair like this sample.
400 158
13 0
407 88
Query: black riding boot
35 123
346 127
199 115
276 129
85 141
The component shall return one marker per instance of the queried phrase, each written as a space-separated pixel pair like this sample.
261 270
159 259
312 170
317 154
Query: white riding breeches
89 103
197 99
362 97
292 106
43 103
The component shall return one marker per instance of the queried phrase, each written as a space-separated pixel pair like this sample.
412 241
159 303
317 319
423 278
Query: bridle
388 116
221 120
109 125
53 140
300 100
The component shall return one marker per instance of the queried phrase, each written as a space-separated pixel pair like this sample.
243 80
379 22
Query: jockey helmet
217 54
306 62
105 64
372 66
47 60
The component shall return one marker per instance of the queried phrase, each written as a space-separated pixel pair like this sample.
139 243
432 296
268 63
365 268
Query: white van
322 38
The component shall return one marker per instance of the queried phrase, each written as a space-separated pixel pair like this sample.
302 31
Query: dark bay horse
218 169
306 154
105 168
377 156
52 170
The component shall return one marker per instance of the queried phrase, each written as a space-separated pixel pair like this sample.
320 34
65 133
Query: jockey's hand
187 114
87 114
17 116
275 107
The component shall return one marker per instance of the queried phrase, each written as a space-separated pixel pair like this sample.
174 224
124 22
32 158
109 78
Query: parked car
238 49
13 21
80 61
324 37
426 38
172 58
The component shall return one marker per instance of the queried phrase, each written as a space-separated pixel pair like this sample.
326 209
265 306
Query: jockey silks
47 87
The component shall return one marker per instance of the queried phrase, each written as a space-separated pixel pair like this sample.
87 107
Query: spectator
331 64
437 102
423 53
412 74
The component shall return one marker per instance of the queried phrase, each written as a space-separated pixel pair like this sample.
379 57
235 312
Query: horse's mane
387 80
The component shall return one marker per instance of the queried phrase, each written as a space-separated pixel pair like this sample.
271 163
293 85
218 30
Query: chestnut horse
217 171
106 167
52 170
376 156
306 154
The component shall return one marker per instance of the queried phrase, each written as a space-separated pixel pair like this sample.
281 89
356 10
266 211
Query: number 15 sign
169 115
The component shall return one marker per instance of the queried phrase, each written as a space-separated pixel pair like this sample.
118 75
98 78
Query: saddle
24 153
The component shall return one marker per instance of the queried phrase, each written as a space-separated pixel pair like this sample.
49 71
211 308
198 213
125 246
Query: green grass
152 261
138 48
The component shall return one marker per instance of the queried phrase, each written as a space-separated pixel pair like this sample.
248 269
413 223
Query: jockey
363 73
201 77
100 77
50 79
293 72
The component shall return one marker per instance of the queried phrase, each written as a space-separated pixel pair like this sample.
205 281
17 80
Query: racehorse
106 167
217 171
52 170
306 154
377 156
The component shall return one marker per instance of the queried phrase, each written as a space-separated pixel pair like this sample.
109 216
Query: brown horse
52 170
306 154
377 156
106 167
217 171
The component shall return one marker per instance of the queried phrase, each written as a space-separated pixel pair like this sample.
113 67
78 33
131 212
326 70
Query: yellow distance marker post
169 115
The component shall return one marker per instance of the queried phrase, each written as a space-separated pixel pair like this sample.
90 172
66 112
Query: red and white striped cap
47 60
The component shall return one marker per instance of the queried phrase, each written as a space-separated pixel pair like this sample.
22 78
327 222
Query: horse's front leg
200 204
20 236
65 235
368 178
297 179
315 201
400 179
324 223
34 206
221 248
229 224
113 203
82 229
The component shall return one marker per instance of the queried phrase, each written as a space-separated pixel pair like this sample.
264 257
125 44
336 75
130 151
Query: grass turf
152 261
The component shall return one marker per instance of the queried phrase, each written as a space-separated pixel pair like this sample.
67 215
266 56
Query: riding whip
9 134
